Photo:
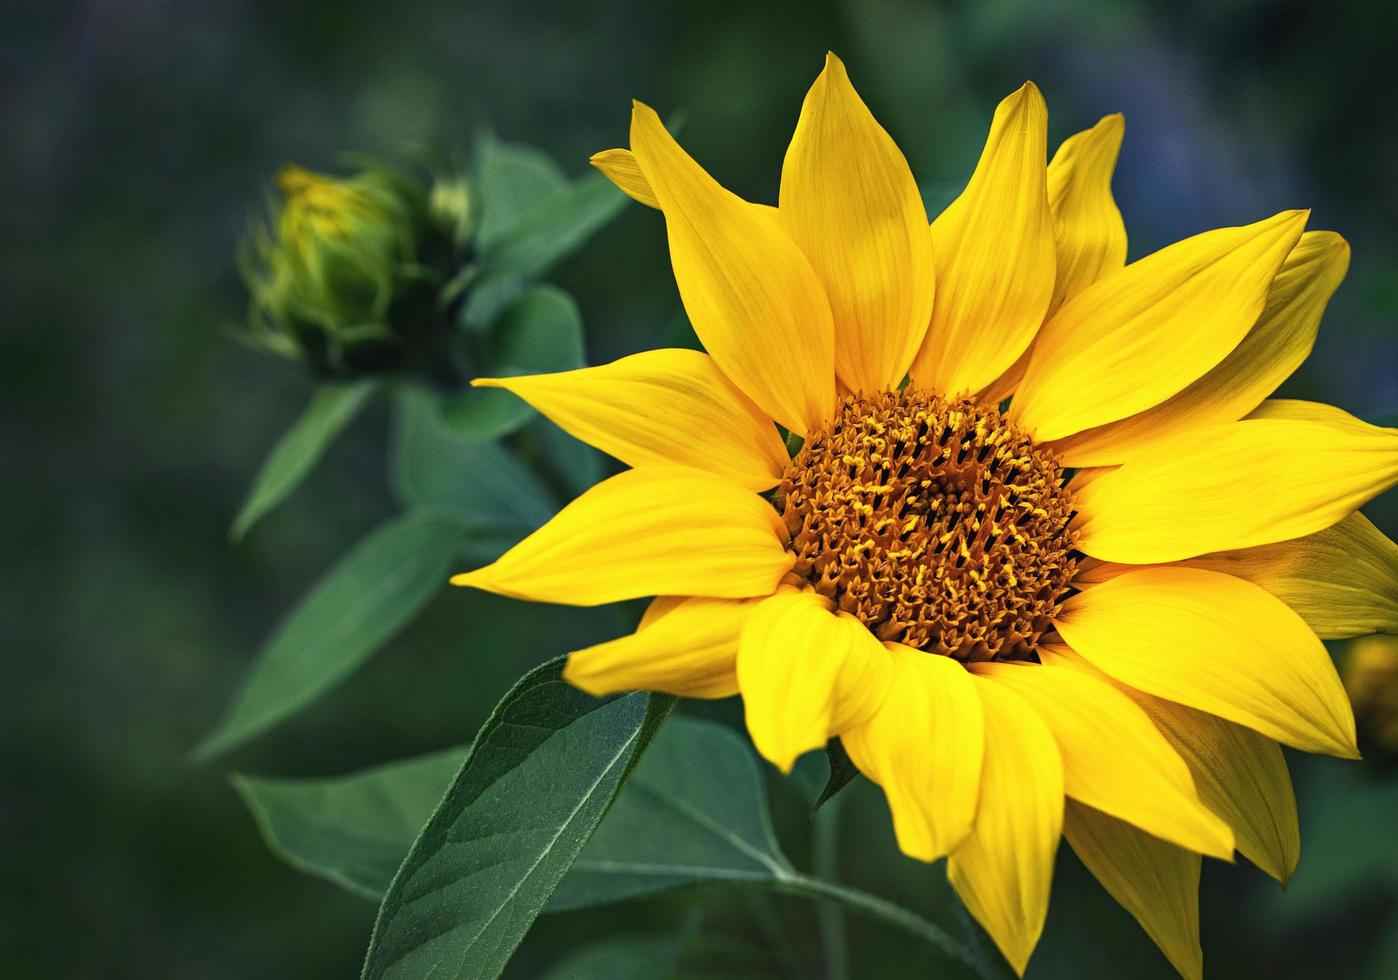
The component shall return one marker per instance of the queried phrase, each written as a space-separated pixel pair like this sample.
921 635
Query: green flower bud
449 203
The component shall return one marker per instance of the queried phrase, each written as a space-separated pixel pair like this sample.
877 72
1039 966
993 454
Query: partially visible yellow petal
1114 759
1140 335
1343 581
750 293
1003 871
850 201
924 747
1238 773
994 255
685 646
1281 339
658 530
621 169
1088 233
1215 643
661 406
1234 485
806 674
1156 882
1297 410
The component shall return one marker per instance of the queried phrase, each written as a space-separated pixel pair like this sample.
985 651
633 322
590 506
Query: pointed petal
850 201
659 530
1135 338
1156 882
1088 233
1275 347
753 298
1114 759
994 255
1215 643
621 169
1343 581
1003 871
924 747
661 406
1234 485
684 646
806 673
1238 773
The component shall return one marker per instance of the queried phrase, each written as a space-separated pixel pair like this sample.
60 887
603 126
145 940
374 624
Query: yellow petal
1003 871
1239 774
1114 759
924 747
750 293
685 646
1140 335
994 255
1088 233
1343 581
850 201
1156 882
1215 643
662 406
806 674
1281 339
659 530
621 169
1304 411
1234 485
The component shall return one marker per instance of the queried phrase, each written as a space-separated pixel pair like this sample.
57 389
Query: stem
796 883
825 845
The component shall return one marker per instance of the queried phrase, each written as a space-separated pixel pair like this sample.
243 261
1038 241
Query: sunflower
1026 536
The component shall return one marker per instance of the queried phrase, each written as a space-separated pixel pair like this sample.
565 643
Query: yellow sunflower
1093 613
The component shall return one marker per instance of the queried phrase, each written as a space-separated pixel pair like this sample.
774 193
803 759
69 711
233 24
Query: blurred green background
139 135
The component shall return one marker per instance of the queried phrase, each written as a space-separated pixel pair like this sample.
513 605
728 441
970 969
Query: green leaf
539 777
356 608
694 812
540 333
510 179
352 830
332 408
619 958
551 230
436 465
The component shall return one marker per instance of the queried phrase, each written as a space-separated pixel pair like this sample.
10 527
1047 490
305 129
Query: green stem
825 848
796 883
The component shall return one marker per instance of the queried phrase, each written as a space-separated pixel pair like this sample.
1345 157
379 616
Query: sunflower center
939 525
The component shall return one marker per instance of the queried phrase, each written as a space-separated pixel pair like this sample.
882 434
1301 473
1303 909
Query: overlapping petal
924 746
994 253
657 530
1138 336
750 293
684 645
1114 759
1276 345
850 201
1216 643
621 169
1157 882
1088 233
661 406
1003 871
806 674
1235 485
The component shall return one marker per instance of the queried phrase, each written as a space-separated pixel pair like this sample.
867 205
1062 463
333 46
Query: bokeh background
138 137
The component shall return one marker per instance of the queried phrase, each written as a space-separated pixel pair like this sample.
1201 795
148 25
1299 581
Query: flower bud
1371 678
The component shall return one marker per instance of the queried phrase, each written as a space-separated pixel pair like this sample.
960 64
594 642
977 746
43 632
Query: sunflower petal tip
468 580
487 382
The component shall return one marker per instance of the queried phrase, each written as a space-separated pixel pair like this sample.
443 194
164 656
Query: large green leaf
694 812
355 829
332 408
540 333
551 230
620 958
436 465
541 773
362 602
510 179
